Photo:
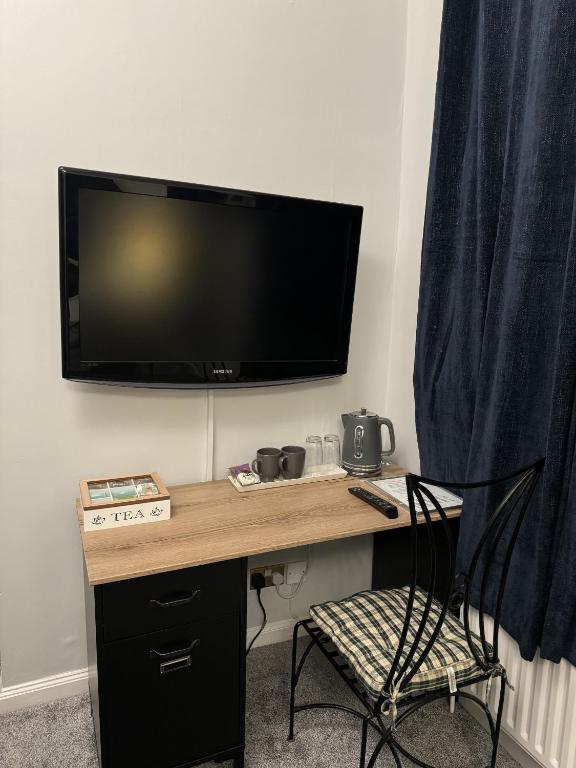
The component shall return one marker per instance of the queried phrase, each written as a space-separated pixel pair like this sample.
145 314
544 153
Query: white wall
286 96
423 37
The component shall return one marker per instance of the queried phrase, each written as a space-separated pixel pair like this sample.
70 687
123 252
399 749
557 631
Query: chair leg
498 723
374 757
363 742
395 755
293 680
379 747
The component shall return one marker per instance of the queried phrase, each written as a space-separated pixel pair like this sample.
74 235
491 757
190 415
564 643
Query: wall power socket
295 571
281 573
274 575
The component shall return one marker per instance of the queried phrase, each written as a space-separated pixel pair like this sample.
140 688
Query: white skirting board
43 691
275 632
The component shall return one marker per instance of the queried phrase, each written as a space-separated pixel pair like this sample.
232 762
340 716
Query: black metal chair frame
506 519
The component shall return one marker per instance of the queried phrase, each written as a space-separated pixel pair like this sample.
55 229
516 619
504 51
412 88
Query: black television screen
172 284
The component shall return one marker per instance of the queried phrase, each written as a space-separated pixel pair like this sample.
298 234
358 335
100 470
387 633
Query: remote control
375 501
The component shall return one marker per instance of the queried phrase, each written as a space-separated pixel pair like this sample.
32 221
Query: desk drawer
152 603
173 697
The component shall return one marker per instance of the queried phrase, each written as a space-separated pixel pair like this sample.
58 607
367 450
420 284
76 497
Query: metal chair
410 680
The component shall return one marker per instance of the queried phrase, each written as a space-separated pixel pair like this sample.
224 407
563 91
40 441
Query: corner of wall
422 45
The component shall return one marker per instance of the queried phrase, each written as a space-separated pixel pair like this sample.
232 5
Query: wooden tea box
112 502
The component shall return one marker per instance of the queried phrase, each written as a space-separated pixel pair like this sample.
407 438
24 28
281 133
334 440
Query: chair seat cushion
366 629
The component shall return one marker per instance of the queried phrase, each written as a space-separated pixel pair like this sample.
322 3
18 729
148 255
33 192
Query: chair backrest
431 539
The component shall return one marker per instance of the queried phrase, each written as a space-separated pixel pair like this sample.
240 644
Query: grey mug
266 464
291 461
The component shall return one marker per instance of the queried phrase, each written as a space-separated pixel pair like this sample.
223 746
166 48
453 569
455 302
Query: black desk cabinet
166 657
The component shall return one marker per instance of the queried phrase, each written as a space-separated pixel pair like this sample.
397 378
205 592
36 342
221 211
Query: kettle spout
345 419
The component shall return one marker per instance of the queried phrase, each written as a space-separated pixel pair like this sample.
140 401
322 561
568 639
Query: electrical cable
209 433
264 620
296 587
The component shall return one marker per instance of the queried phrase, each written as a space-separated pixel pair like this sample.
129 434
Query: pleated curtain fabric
495 370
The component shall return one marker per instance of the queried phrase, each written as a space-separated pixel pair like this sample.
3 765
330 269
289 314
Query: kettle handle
388 423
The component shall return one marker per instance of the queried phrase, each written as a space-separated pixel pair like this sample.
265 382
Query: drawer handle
174 603
167 654
175 664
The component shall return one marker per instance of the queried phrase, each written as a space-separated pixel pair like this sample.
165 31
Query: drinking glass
313 453
331 450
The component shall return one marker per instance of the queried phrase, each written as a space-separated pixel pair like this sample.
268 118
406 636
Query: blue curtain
495 372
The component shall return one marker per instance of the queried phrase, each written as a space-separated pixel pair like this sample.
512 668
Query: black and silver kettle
362 452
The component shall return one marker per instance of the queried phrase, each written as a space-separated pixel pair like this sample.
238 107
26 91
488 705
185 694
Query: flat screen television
167 284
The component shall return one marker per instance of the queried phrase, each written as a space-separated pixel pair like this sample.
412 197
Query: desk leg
392 559
391 562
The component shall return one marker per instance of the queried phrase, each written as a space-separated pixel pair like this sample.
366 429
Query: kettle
362 452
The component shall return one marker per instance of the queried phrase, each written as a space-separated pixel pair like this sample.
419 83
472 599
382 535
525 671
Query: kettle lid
364 414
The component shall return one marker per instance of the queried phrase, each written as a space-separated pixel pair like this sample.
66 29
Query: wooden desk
212 522
171 597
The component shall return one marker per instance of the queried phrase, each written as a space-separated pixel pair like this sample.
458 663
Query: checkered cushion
366 628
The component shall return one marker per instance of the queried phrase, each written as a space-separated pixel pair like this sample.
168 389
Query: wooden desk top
212 522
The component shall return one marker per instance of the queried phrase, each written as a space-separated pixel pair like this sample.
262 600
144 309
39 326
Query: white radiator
540 713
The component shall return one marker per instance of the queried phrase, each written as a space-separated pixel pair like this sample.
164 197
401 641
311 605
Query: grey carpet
60 735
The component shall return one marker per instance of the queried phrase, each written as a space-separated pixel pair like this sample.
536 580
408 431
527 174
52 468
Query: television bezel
193 374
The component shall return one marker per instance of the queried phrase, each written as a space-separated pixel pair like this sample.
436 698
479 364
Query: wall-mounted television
169 284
